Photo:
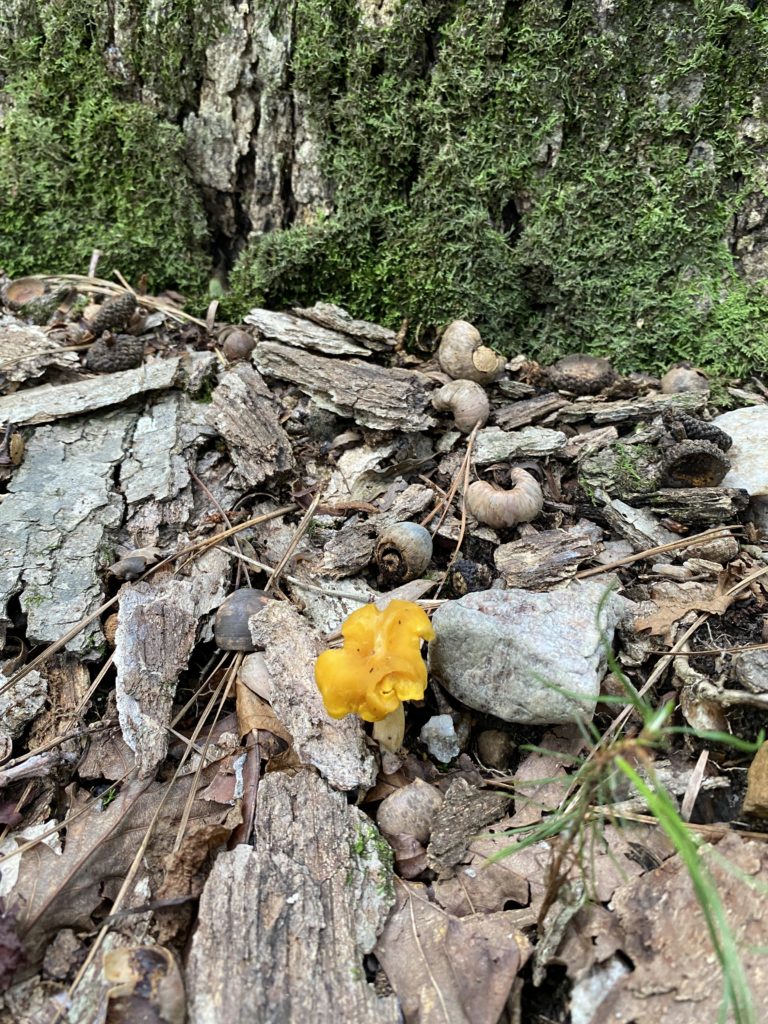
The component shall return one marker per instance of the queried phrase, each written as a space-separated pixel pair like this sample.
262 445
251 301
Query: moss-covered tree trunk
570 174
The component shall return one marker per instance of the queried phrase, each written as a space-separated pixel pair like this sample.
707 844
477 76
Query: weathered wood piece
541 560
58 517
371 395
244 413
373 336
27 351
349 550
495 445
697 506
46 403
336 747
157 626
303 334
520 414
283 927
632 410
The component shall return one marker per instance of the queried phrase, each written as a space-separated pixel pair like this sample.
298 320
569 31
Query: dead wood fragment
374 337
541 560
336 747
302 333
695 506
243 411
465 811
27 351
520 414
636 410
283 927
371 395
156 630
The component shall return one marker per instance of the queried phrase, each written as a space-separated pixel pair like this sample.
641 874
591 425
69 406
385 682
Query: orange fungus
379 665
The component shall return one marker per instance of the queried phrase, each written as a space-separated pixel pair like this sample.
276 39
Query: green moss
85 165
566 185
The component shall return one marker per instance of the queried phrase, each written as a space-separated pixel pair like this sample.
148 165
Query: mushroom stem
389 733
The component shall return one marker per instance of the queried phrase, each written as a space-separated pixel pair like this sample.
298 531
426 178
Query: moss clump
562 177
85 165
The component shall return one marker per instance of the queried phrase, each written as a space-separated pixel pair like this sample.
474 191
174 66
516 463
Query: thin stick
301 529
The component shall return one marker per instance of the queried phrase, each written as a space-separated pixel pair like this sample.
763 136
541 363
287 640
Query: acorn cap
582 374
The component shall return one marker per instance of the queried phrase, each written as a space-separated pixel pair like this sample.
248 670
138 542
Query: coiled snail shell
501 508
230 628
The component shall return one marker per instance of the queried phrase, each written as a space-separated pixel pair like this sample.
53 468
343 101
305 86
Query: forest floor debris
178 809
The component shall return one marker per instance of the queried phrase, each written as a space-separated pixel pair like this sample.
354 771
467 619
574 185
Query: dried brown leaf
675 600
445 969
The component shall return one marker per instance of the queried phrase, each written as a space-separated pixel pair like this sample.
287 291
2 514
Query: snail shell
230 628
466 400
463 356
499 508
403 552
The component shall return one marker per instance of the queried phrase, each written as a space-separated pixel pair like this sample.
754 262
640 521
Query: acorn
403 552
230 628
16 294
581 374
236 344
114 314
683 378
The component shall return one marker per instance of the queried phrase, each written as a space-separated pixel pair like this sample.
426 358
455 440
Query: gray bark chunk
21 702
57 522
283 927
157 625
46 403
371 395
495 445
298 333
336 747
373 336
528 657
27 351
243 411
465 811
632 410
519 414
541 560
155 468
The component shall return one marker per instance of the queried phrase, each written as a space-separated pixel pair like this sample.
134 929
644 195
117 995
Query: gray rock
439 737
535 658
749 462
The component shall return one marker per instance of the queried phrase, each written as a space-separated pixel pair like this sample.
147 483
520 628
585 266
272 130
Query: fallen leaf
675 600
446 969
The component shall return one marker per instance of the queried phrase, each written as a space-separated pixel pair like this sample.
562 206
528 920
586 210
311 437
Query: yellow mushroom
380 664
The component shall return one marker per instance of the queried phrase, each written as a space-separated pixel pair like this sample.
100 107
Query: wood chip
542 560
374 337
495 445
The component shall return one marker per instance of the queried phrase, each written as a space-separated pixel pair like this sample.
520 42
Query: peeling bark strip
371 395
298 333
46 403
373 336
283 928
57 522
243 411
